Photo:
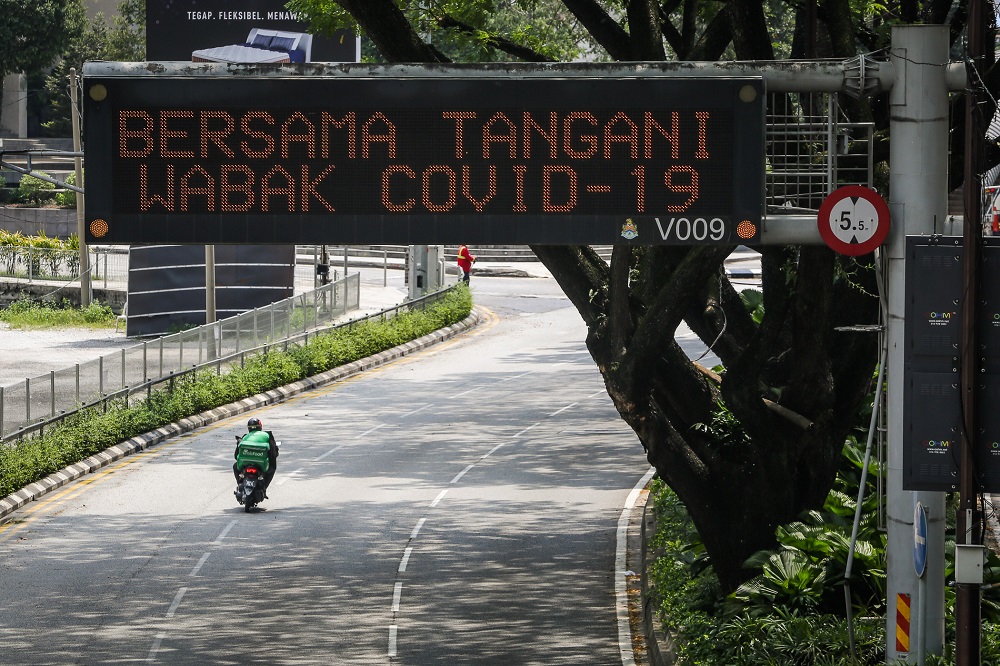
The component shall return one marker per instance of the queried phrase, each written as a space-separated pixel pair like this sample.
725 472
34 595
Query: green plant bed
33 314
90 431
777 618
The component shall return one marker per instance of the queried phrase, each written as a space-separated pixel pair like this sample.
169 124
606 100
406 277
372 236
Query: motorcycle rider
256 433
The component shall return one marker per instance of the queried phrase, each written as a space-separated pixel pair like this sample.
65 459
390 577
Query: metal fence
812 151
31 263
40 401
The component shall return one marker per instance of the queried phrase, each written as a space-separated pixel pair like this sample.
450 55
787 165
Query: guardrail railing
38 402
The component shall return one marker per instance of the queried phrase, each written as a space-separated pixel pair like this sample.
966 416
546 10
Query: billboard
408 160
244 31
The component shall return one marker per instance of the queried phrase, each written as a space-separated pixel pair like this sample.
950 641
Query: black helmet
254 424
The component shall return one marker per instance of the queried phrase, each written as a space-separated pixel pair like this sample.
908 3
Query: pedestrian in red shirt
465 261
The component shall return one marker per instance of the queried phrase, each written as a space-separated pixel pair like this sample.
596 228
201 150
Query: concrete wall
54 222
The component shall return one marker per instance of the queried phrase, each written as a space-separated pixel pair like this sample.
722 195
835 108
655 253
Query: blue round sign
919 540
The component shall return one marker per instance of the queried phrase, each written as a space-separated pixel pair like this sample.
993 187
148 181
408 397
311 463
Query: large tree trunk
793 383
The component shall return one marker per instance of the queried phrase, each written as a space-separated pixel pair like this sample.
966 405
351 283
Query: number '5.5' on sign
853 220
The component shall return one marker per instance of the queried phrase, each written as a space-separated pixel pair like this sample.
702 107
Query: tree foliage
34 32
753 444
123 38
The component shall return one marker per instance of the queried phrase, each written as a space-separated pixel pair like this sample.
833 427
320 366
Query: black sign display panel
414 160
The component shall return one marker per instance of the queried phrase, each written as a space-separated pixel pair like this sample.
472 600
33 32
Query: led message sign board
423 160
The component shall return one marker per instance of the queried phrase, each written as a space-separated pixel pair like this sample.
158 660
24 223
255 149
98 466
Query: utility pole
81 225
918 204
969 519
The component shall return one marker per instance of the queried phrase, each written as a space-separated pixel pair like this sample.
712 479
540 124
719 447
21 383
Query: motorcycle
252 463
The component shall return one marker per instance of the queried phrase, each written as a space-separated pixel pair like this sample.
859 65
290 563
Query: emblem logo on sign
629 230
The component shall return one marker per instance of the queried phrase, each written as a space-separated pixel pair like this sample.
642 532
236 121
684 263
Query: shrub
67 198
34 190
87 432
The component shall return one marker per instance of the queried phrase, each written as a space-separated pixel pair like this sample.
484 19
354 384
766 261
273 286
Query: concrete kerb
38 489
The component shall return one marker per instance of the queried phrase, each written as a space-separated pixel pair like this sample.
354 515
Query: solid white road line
621 582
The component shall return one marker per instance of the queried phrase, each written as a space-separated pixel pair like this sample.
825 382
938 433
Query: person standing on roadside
465 261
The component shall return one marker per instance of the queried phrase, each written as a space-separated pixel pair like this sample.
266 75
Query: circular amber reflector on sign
746 229
98 228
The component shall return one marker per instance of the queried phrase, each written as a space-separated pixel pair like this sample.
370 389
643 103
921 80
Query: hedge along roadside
91 439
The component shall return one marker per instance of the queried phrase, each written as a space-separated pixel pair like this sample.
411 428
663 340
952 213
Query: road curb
139 443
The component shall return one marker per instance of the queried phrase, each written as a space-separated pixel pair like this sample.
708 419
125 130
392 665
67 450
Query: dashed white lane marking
392 640
397 594
526 430
439 497
418 409
225 531
176 602
289 476
416 530
156 646
621 582
328 453
369 431
471 390
492 451
594 395
560 411
523 374
406 558
201 563
462 473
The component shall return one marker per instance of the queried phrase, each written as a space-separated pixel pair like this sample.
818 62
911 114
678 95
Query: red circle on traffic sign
853 220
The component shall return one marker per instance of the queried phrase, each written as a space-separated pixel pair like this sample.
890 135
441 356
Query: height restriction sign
853 220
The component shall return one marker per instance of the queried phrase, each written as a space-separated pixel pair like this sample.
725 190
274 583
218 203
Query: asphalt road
457 506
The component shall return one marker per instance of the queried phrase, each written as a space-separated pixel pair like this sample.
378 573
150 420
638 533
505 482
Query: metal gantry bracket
861 76
29 171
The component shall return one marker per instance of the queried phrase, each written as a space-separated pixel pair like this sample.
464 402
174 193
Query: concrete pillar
14 114
918 204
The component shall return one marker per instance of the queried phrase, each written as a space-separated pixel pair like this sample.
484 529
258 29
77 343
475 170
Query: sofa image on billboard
261 46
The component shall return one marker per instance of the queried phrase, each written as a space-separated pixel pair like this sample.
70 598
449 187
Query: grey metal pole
81 223
918 203
52 393
27 399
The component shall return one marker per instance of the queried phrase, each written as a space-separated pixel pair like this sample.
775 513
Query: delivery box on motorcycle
253 452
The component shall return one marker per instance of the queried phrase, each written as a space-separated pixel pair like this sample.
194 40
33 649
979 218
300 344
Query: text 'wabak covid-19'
439 161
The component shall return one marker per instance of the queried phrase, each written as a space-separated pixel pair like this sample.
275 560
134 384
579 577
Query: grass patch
90 431
27 314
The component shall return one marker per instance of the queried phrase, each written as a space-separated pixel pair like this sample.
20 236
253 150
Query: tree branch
497 42
581 274
602 27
